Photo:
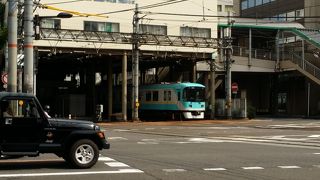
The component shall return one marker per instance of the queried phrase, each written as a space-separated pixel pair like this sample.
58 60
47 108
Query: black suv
26 130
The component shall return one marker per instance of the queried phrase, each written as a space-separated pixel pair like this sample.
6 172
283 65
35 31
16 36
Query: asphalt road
232 150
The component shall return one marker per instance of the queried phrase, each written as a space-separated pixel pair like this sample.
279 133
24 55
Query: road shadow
17 164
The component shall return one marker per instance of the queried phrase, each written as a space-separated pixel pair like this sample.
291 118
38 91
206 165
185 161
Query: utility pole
213 88
28 47
12 45
135 66
228 70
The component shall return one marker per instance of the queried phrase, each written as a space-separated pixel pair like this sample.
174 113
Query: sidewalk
255 123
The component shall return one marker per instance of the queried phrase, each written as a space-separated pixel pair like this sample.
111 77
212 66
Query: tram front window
193 94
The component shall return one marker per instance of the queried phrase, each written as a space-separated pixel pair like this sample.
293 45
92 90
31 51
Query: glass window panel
244 4
101 26
51 23
228 8
258 2
251 3
155 95
195 32
153 29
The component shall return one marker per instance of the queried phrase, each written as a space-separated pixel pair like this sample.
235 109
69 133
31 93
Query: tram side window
155 96
179 95
167 95
148 96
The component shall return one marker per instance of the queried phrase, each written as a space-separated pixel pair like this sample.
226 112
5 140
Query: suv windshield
193 94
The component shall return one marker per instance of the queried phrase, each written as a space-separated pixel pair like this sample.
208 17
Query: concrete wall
312 8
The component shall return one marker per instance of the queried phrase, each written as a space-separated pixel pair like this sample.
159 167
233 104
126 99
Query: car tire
83 154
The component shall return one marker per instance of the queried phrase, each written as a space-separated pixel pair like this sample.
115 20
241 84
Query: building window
266 1
299 13
101 26
51 23
153 29
258 2
228 8
219 8
195 32
251 3
244 4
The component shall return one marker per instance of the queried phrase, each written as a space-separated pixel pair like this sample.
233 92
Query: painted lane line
316 153
317 166
252 168
289 167
314 136
117 138
71 173
105 159
174 170
121 130
116 164
214 169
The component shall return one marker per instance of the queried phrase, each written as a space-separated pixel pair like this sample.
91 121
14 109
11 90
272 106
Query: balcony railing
255 53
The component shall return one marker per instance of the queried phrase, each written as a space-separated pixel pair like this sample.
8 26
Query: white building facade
157 17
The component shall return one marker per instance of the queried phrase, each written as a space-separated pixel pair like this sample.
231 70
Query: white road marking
121 130
174 170
314 136
149 128
120 171
116 164
289 167
316 153
317 166
117 138
165 128
204 140
105 159
214 169
252 168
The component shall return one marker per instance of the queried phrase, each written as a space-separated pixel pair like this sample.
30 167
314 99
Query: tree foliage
3 28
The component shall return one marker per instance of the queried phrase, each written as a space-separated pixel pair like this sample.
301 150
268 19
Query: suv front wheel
84 153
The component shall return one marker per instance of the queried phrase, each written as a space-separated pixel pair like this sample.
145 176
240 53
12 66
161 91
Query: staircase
306 68
309 65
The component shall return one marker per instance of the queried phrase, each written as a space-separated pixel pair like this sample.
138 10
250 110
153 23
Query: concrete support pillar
277 50
250 47
124 86
110 88
302 54
212 90
194 72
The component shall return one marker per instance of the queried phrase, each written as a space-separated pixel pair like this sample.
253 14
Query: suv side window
19 108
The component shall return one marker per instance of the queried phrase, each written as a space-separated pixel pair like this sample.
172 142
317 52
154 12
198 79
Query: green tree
3 28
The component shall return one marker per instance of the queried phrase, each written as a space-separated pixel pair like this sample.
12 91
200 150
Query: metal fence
265 54
239 108
305 65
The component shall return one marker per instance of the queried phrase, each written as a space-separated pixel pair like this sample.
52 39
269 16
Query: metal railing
255 53
306 65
